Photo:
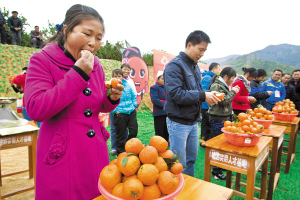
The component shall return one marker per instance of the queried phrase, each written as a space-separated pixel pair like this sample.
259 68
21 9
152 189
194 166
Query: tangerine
110 176
151 192
245 128
148 174
148 155
133 189
114 162
167 154
125 178
134 145
120 158
159 143
118 190
167 182
246 122
242 116
220 95
177 168
160 164
131 167
114 82
227 123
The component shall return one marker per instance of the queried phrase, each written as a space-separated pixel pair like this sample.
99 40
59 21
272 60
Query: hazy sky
234 26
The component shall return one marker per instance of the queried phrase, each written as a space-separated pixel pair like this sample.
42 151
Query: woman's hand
236 89
116 93
251 99
86 61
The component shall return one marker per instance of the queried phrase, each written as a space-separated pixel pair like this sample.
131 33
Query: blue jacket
184 93
271 85
158 98
206 79
128 100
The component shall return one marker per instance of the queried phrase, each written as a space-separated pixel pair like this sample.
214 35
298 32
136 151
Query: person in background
289 88
276 86
2 28
256 90
184 97
218 113
295 81
241 101
36 38
214 69
125 114
158 98
126 71
16 26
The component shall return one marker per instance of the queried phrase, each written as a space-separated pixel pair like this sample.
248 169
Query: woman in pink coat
65 89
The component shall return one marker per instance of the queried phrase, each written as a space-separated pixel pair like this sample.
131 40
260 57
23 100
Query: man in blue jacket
276 87
184 96
214 69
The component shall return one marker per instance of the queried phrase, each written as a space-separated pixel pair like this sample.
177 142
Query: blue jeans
13 37
113 132
27 117
270 106
184 140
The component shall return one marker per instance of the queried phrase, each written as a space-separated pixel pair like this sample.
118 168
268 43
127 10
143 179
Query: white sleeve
131 83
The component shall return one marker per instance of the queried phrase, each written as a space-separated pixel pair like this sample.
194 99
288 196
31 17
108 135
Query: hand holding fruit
86 61
211 97
236 89
251 99
115 88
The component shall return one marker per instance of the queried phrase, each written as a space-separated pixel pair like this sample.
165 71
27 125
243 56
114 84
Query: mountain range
283 56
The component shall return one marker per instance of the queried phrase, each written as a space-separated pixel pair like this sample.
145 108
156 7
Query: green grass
288 187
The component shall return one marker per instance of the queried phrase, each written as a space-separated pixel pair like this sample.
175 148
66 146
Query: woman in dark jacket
158 98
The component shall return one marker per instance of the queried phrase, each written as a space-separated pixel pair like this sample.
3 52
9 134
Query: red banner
161 59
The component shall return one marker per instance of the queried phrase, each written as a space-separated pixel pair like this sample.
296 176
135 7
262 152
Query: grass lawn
288 187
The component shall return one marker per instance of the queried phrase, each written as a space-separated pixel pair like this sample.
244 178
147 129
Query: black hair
36 26
213 65
230 72
278 71
286 74
125 65
296 70
197 37
117 71
74 16
261 72
252 71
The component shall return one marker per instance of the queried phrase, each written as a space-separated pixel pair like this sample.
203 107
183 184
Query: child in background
65 89
256 90
125 114
218 113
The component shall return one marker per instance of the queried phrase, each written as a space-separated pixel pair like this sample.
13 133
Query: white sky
234 26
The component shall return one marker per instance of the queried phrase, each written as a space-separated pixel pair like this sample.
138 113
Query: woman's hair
252 71
212 66
261 72
74 16
125 65
230 72
117 71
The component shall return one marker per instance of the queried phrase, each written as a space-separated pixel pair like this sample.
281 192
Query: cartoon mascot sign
139 70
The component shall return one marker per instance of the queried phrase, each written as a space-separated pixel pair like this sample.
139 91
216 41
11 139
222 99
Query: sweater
158 98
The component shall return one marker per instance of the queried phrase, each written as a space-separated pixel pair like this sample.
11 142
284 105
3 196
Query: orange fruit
134 145
118 190
167 182
159 143
177 168
220 95
151 192
258 115
245 128
110 176
262 118
253 130
120 158
270 117
125 178
256 110
148 155
133 189
246 122
132 165
242 116
260 128
114 82
107 84
160 164
269 112
228 128
227 123
114 162
251 113
167 154
254 124
148 174
233 129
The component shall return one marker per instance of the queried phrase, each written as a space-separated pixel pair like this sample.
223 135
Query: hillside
283 53
253 61
220 60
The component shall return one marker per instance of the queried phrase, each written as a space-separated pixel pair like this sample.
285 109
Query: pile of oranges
11 78
244 124
260 113
285 107
142 172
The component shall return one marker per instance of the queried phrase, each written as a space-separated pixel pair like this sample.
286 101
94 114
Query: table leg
238 182
207 167
273 167
290 150
34 146
250 179
264 178
30 157
228 178
0 172
279 158
295 144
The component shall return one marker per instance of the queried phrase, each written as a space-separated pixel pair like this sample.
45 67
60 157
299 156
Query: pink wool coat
69 156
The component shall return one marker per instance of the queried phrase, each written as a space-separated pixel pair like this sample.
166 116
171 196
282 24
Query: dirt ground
16 160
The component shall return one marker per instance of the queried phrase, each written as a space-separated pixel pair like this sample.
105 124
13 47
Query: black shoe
219 176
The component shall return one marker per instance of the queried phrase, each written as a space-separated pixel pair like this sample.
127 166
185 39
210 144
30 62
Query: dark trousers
270 106
205 125
122 121
3 34
160 126
13 34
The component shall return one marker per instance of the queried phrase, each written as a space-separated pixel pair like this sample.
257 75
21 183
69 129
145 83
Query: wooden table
291 129
242 160
195 189
19 137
